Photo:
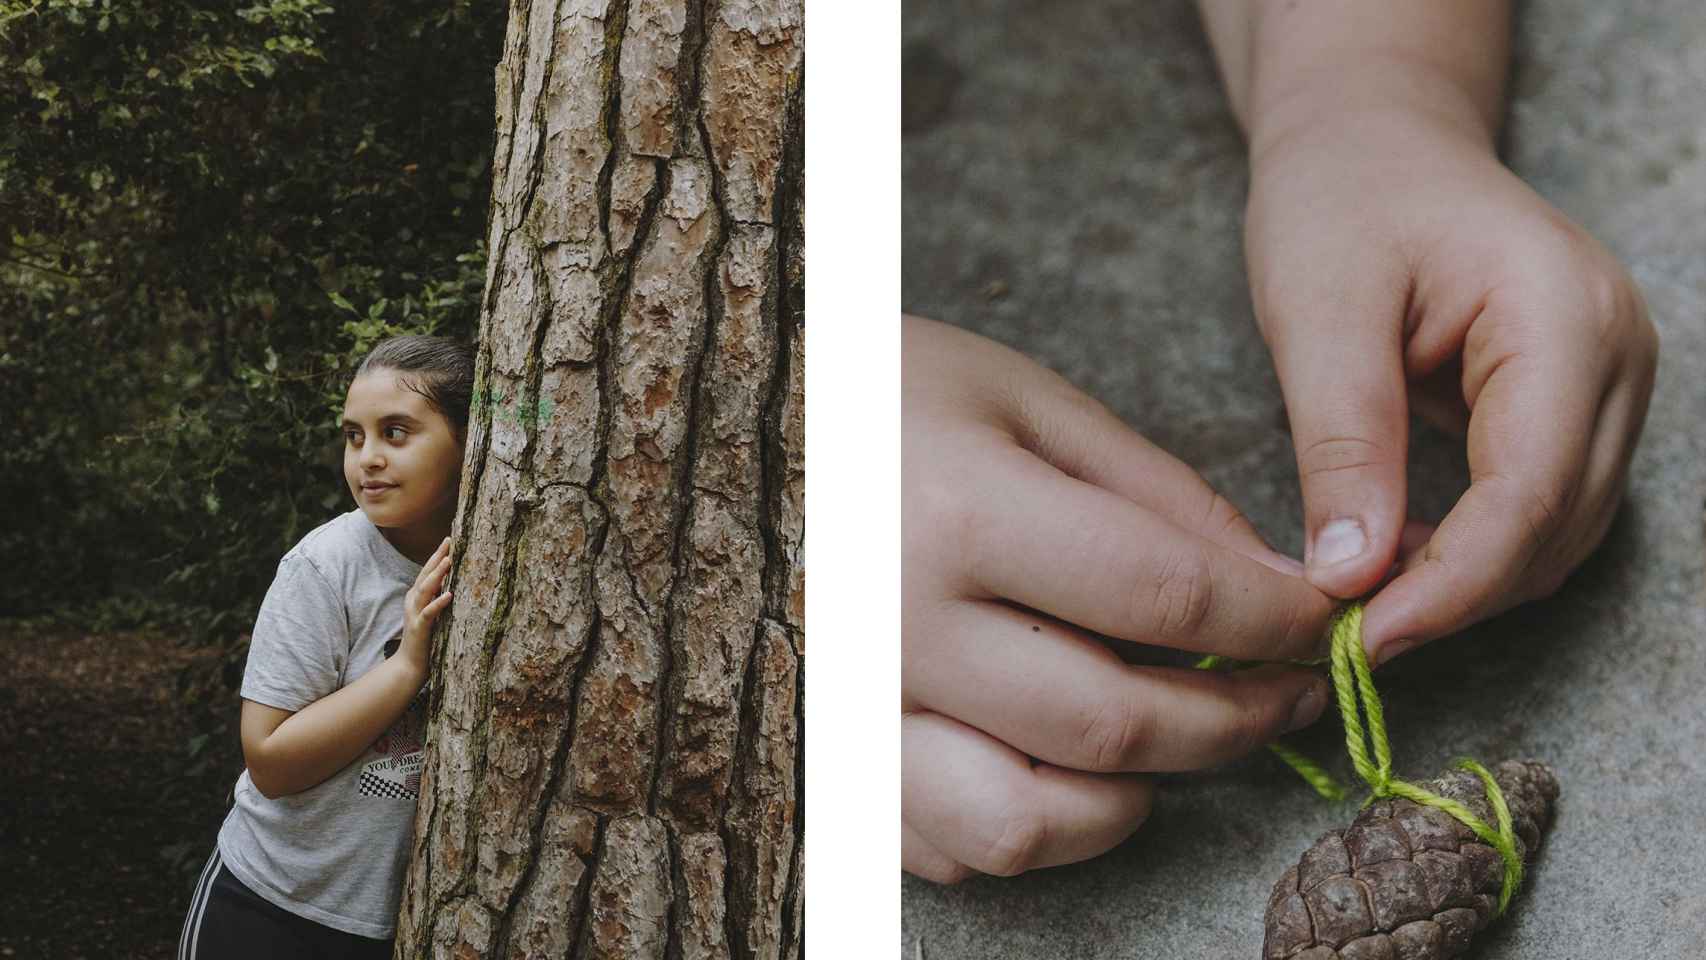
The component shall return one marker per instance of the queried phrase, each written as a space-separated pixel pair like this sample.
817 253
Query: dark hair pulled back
440 369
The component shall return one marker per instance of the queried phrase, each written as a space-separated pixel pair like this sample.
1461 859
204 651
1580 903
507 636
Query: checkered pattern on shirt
372 786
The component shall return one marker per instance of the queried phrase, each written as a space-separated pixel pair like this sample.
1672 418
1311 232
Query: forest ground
107 815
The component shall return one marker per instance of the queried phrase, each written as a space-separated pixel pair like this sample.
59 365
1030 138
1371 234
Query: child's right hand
1032 515
421 607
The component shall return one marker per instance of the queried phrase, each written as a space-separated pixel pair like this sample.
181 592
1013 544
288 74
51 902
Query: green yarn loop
1353 686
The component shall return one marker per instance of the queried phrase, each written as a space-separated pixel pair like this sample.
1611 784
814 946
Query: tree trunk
614 757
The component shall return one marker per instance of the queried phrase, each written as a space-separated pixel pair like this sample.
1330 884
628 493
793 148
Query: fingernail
1309 706
1390 649
1337 542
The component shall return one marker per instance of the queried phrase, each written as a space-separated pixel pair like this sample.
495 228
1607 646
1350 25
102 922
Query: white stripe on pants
198 905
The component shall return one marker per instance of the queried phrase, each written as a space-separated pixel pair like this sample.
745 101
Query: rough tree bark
614 756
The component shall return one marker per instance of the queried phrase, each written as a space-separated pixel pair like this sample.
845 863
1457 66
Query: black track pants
228 921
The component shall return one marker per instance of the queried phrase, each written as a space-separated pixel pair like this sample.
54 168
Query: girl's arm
1396 266
1284 62
290 752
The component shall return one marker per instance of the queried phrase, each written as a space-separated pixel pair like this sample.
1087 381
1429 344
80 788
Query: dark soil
110 802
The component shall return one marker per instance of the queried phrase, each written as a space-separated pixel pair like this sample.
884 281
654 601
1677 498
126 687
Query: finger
1527 452
432 577
1617 430
1050 691
431 565
1604 481
1622 418
1081 437
981 803
1345 396
1091 557
920 858
430 610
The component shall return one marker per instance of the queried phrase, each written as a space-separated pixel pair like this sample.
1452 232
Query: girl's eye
350 435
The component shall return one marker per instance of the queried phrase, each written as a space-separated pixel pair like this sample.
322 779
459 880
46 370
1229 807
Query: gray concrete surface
1073 186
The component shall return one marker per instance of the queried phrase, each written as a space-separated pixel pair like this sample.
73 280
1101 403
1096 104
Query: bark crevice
793 887
582 911
695 40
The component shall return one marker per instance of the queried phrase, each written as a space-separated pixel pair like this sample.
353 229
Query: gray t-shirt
336 852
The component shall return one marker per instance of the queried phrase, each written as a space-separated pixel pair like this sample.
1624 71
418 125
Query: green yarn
1310 771
1353 686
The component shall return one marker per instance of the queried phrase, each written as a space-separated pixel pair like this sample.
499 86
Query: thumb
1343 382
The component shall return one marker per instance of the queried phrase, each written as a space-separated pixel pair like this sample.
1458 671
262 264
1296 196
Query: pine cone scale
1376 947
1379 841
1289 928
1406 881
1327 858
1421 938
1459 925
1425 832
1397 893
1339 908
1447 879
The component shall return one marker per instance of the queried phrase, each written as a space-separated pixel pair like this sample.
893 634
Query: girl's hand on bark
422 605
1031 516
1395 265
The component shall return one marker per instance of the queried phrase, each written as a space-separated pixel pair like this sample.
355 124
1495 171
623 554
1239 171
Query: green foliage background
210 213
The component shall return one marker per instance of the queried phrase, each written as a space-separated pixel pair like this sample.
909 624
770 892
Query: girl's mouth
376 491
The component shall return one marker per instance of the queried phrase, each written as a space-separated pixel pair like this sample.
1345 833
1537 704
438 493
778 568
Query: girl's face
408 451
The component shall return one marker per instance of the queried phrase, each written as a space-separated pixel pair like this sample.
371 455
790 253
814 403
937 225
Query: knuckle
940 870
1222 517
1017 844
1541 503
1609 306
1544 506
1114 730
1177 602
1032 425
1051 420
953 873
1467 608
1605 296
1297 638
939 518
1250 720
1329 455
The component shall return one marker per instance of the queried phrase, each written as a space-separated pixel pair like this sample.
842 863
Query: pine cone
1405 881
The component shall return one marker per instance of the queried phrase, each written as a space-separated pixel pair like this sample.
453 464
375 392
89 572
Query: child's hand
422 605
1031 516
1396 265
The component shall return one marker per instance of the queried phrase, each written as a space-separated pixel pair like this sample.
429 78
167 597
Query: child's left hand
1395 264
421 606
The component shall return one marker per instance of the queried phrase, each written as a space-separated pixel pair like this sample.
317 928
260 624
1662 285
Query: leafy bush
211 212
